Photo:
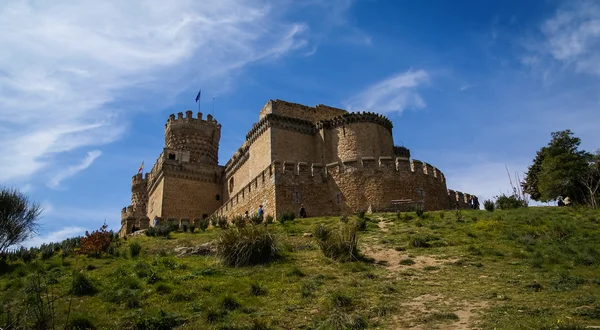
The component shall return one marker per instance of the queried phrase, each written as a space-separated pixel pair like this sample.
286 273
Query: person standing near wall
261 212
302 212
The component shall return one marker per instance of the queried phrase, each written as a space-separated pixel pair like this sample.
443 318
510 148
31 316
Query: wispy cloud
56 236
572 37
70 171
61 77
394 94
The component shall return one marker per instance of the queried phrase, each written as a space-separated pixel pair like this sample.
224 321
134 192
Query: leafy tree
530 184
18 218
557 169
97 242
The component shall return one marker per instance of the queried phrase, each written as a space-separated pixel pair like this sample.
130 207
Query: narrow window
172 156
218 197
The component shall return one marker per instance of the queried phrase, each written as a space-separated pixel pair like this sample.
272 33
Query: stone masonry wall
155 200
260 190
190 198
295 110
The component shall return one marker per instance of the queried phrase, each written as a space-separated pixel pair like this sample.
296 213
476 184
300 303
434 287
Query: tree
557 169
18 218
530 184
590 180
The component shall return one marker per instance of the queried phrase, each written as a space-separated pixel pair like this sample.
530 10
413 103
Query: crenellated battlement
190 119
354 118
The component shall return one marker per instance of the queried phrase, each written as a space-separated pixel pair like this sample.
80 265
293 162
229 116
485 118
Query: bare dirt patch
434 311
397 260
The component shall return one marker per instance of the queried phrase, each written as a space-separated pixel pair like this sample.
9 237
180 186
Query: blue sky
470 86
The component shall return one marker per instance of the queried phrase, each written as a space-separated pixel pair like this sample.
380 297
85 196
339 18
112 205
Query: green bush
489 205
247 246
203 224
420 212
287 216
192 228
344 219
238 221
269 219
184 228
255 219
361 224
339 243
223 223
163 230
257 289
361 214
82 285
504 202
134 249
214 221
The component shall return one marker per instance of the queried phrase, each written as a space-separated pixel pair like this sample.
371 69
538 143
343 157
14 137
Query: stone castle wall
334 162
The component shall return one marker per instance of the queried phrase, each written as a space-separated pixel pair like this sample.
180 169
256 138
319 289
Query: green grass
514 269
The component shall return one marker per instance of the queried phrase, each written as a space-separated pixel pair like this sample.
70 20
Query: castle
332 161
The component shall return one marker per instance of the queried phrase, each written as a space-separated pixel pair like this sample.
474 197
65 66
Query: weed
230 303
361 224
134 249
296 272
82 285
81 322
257 289
269 219
247 246
339 299
164 288
340 244
162 321
407 262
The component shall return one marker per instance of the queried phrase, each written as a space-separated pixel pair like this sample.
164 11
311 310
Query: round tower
199 137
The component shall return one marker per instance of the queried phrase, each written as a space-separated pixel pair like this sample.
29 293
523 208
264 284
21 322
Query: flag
141 168
198 96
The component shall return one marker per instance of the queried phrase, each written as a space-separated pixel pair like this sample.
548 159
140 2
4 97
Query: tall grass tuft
489 205
134 249
250 245
338 243
203 224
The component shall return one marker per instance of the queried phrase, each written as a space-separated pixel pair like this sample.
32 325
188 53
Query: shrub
344 219
82 285
489 205
214 221
339 244
288 216
361 224
255 219
47 251
247 246
504 202
192 228
361 214
230 303
134 249
203 224
341 300
97 242
419 242
257 290
80 322
238 221
420 212
223 223
269 219
163 230
185 228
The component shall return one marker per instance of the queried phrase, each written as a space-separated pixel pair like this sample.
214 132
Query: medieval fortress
332 161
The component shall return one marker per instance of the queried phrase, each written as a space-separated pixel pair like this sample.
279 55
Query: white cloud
72 170
54 237
572 36
394 94
62 76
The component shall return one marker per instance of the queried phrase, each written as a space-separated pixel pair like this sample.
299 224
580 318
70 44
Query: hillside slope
517 269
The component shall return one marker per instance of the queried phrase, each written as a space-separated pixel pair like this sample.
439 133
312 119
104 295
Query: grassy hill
534 268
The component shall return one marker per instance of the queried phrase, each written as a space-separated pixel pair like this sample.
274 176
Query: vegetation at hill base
526 268
560 169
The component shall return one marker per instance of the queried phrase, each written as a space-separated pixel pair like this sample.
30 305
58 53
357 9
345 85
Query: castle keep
332 161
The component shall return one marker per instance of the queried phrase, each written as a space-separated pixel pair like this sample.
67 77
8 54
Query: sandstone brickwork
332 161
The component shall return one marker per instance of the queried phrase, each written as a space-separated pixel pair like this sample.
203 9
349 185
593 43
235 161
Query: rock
201 250
307 235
